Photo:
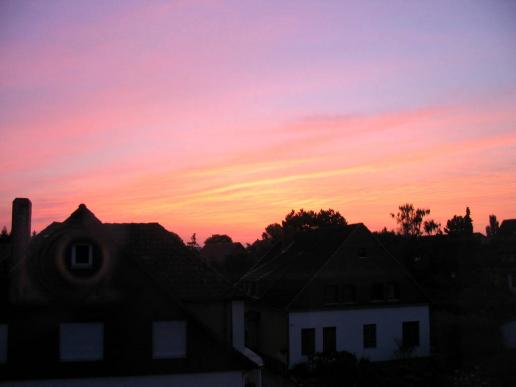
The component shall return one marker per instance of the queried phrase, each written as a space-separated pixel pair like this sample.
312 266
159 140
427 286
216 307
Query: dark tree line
294 222
4 235
411 222
302 220
460 225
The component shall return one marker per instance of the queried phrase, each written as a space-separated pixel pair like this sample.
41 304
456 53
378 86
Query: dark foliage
342 369
192 243
493 227
460 225
295 221
4 235
411 222
218 238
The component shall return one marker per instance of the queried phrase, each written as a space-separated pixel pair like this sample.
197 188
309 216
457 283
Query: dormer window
348 294
362 252
393 291
377 292
83 259
331 293
82 256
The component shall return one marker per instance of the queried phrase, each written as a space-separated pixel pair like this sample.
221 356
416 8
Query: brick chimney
20 238
20 228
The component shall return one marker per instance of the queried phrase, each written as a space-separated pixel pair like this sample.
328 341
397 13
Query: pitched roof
161 253
219 251
280 276
508 228
82 215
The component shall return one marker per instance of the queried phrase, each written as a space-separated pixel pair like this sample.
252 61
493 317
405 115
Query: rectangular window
410 334
512 280
3 343
348 294
369 333
362 252
82 256
329 339
331 294
393 291
168 339
81 342
377 292
307 341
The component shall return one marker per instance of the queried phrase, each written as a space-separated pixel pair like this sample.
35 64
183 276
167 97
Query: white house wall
238 324
509 334
349 327
214 379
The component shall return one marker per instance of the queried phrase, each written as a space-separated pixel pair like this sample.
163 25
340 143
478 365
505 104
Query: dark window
349 294
410 334
83 259
252 315
370 336
329 339
331 293
512 280
82 255
362 252
377 292
3 343
393 291
307 341
252 289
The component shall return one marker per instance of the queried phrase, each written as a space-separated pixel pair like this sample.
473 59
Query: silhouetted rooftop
281 275
160 253
508 228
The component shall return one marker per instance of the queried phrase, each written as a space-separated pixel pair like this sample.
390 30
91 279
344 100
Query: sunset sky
221 117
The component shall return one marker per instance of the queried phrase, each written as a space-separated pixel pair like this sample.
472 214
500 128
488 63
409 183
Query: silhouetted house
507 229
228 258
218 252
118 304
334 289
504 249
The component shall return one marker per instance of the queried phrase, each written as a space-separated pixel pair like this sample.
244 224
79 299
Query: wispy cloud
223 117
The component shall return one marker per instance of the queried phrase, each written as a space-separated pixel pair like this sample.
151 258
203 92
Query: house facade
97 304
334 289
504 246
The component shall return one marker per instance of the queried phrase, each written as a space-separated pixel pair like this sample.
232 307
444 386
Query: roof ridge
324 264
191 316
284 268
402 267
126 223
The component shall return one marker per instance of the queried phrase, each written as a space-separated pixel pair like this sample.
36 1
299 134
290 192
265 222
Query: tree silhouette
294 222
4 235
410 219
431 227
460 225
303 220
192 243
493 227
218 238
273 231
